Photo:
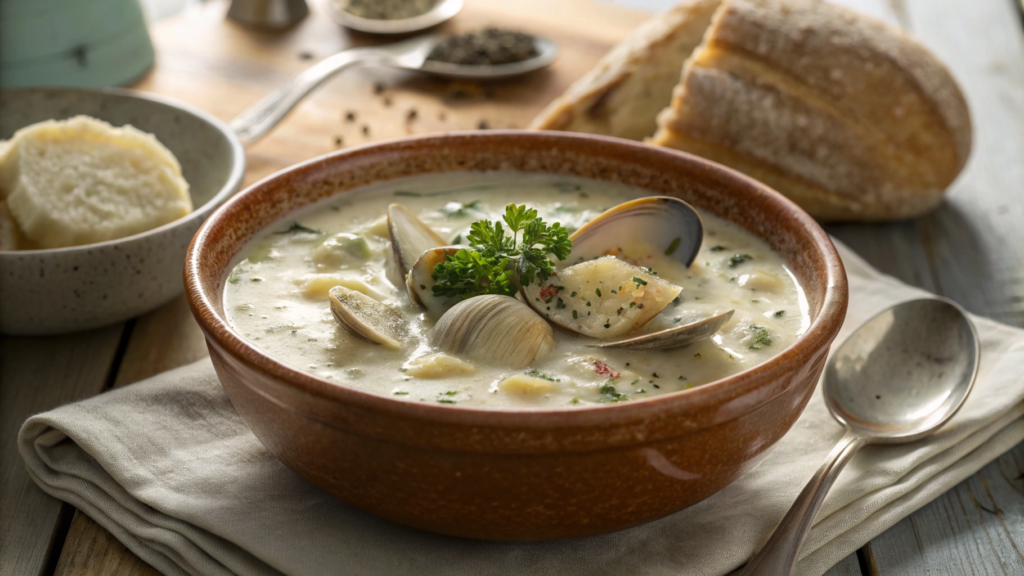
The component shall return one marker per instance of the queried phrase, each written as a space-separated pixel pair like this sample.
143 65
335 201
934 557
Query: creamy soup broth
276 297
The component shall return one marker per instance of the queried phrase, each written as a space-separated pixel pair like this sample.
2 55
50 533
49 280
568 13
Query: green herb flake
457 239
598 292
559 304
400 393
297 228
672 247
639 282
610 394
458 209
573 295
737 259
575 400
761 338
717 248
538 374
575 315
779 313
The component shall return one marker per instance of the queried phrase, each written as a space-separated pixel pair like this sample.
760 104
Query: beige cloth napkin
170 469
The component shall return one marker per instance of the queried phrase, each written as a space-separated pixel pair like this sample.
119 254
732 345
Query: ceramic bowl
70 289
513 474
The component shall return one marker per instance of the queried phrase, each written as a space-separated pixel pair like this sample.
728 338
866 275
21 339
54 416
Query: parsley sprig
498 263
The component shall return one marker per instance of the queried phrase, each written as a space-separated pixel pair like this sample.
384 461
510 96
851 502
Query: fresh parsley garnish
498 264
610 394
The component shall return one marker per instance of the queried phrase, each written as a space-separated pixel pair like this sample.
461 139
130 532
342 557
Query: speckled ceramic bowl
513 474
71 289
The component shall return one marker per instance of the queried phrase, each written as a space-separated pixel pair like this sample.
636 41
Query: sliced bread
81 181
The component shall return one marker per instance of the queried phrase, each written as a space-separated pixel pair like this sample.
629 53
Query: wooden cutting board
223 67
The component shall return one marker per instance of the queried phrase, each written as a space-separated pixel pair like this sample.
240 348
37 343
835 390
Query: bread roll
848 117
623 93
83 181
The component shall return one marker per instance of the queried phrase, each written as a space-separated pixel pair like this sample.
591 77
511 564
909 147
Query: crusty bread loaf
850 118
623 93
82 181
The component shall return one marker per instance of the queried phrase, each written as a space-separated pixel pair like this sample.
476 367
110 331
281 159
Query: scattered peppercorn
482 125
350 116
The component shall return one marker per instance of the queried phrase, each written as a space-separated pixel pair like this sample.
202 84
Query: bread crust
621 95
850 118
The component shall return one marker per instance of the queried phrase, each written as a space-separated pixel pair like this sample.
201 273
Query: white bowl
83 287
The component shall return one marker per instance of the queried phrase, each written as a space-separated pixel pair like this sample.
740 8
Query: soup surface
277 298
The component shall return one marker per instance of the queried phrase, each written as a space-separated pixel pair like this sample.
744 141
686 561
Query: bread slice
81 181
848 117
10 235
623 93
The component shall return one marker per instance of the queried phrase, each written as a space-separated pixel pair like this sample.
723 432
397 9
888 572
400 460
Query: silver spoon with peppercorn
487 54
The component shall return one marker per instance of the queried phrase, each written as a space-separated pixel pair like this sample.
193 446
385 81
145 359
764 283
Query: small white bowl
443 11
71 289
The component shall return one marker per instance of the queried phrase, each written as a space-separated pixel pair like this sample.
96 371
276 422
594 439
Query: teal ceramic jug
72 43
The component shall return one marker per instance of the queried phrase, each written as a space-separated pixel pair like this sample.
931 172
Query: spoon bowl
443 11
897 378
905 372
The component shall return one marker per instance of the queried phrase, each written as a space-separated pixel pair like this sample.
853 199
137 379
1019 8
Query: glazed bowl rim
819 334
231 184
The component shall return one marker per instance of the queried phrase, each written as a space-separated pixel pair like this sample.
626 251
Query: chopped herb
610 394
598 292
639 282
573 295
565 187
658 387
761 338
677 319
538 374
457 239
717 248
458 209
632 304
559 304
655 374
613 291
400 393
607 324
445 400
296 227
575 400
672 247
233 278
588 302
697 355
779 313
737 259
574 315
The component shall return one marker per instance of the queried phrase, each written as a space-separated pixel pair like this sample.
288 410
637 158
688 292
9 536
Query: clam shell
665 224
675 337
420 284
367 318
410 237
496 330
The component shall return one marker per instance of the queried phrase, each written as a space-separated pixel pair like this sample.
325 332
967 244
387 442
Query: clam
676 337
367 318
601 294
493 329
420 283
410 237
656 224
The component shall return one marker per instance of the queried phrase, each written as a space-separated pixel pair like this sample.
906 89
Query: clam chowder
436 318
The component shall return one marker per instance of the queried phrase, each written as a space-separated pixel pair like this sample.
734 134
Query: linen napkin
171 470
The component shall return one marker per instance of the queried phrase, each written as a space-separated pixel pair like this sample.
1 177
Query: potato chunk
438 366
526 385
602 298
318 285
761 282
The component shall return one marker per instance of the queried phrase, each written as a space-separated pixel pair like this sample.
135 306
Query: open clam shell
675 337
497 330
420 283
660 224
410 237
367 318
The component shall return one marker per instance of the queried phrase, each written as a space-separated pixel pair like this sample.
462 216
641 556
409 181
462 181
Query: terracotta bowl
513 474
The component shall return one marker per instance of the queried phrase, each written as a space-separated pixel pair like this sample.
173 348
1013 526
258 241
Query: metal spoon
442 11
898 378
410 54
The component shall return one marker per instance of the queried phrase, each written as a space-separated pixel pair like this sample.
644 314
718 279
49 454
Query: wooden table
971 249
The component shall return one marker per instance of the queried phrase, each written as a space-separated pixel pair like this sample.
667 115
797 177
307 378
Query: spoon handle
252 124
780 553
